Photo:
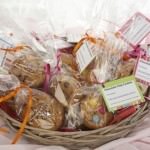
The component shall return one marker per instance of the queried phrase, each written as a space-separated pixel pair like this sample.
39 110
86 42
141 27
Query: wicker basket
79 139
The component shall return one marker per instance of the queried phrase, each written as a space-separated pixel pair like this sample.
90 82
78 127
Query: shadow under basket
79 139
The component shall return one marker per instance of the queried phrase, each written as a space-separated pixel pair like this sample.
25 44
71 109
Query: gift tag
74 35
135 29
4 43
6 58
121 93
60 96
85 55
74 38
142 71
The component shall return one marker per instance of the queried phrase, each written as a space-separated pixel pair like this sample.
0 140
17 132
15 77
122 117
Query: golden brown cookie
94 112
29 69
46 112
87 108
65 84
69 60
125 68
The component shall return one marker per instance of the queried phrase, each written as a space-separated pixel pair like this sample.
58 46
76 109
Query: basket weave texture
79 139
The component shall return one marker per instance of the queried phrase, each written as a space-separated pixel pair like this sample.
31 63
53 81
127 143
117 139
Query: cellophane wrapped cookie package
74 73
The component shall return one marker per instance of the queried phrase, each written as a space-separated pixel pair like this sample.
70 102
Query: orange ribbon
93 40
3 130
27 111
100 42
15 49
78 45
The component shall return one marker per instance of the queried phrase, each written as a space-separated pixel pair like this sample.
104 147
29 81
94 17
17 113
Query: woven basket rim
45 130
78 139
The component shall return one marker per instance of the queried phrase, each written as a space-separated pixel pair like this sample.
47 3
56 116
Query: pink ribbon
102 110
137 52
47 70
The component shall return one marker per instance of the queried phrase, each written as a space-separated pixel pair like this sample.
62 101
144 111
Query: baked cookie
87 108
94 112
64 84
29 69
69 60
46 112
125 68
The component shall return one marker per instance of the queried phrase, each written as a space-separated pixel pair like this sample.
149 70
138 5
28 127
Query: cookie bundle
73 98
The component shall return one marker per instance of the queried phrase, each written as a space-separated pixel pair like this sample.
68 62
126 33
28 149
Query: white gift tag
74 35
60 96
6 58
135 29
5 41
74 38
142 71
122 93
85 55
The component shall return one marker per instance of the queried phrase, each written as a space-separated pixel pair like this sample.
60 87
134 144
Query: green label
122 93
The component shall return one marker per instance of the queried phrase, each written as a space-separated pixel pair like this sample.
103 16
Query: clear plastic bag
104 55
46 112
8 83
18 56
29 68
62 86
87 109
43 24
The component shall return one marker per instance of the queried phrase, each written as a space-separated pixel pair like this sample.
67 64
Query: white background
59 15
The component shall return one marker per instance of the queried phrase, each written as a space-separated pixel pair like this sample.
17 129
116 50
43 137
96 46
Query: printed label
135 29
143 71
122 93
85 55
